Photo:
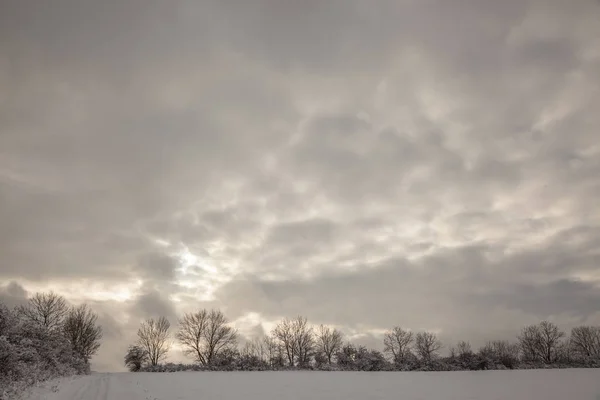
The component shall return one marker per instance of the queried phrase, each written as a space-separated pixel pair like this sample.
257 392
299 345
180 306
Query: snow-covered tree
46 309
82 330
205 334
136 358
397 344
284 334
585 341
31 352
153 337
541 342
427 346
329 341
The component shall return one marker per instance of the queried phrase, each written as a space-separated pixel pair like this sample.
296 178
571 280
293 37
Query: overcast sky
431 164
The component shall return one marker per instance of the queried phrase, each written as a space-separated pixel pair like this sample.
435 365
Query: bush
31 353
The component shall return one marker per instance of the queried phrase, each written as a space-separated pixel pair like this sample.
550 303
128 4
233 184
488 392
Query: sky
428 164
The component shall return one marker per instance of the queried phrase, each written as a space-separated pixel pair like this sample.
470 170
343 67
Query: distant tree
500 352
274 352
541 342
564 353
46 309
205 334
82 331
585 341
284 334
254 355
219 336
255 347
427 346
304 341
7 319
191 334
369 360
320 359
153 337
397 343
227 359
346 357
462 357
463 349
329 341
136 358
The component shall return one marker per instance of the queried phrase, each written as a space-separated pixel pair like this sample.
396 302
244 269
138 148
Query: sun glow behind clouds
187 259
199 273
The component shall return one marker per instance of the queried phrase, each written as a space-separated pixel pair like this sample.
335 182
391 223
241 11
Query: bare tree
274 351
304 340
397 343
219 336
463 349
255 347
427 345
551 337
529 342
153 337
284 334
205 334
296 339
329 341
541 342
585 341
46 309
191 333
82 330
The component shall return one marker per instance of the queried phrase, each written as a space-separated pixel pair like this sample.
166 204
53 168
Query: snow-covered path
94 387
483 385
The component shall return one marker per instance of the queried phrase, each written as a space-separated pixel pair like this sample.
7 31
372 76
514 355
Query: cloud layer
420 163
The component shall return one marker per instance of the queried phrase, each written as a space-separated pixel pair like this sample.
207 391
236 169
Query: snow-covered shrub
136 358
249 362
171 367
370 360
30 353
226 360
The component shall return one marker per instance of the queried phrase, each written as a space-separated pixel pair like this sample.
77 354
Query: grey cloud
566 296
396 290
152 304
368 340
452 290
315 230
119 326
425 162
158 266
111 328
12 294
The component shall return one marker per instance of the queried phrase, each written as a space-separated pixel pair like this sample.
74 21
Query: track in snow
95 387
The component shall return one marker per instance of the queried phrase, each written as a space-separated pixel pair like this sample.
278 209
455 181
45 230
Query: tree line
212 343
44 339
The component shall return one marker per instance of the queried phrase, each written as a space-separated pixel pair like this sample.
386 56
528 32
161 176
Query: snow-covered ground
572 384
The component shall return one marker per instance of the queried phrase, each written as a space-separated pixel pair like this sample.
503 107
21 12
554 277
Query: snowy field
572 384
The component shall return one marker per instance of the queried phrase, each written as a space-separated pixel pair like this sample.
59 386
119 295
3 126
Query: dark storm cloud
423 163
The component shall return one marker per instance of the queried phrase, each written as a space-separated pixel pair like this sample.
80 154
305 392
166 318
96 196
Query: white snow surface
570 384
